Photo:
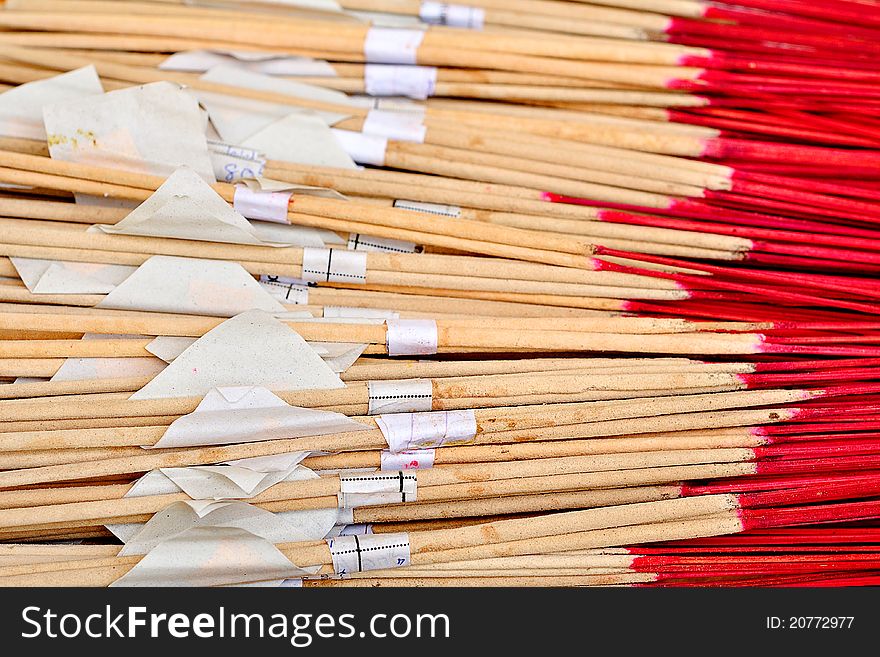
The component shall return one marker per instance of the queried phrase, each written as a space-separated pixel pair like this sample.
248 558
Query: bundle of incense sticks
404 293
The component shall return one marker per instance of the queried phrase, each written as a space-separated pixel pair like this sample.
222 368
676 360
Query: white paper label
362 148
288 290
438 13
355 554
392 80
405 431
392 46
359 242
376 488
334 266
399 126
414 459
265 206
379 482
429 208
411 337
403 396
234 163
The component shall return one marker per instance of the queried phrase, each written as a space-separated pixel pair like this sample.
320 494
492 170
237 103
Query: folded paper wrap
237 480
186 207
236 119
338 356
400 396
212 556
406 431
61 277
265 63
151 129
302 138
191 286
242 414
21 108
252 348
411 337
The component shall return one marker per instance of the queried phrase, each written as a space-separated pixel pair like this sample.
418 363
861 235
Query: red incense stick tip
777 152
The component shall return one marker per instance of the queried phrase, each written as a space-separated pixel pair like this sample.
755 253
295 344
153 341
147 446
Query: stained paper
407 431
152 129
414 459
